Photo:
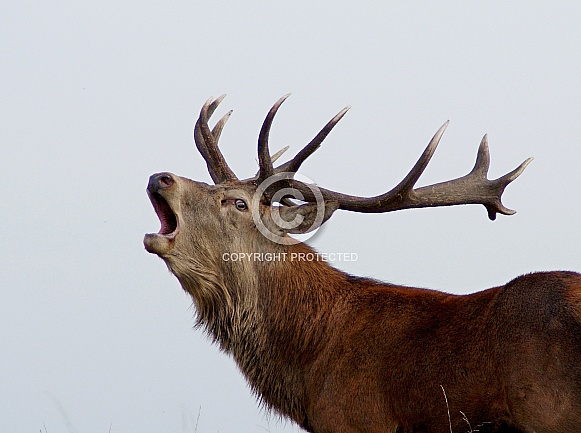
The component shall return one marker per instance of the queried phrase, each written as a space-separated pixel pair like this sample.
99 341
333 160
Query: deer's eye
240 204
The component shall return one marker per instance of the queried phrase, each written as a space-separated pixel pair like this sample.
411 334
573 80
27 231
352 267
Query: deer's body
338 353
343 354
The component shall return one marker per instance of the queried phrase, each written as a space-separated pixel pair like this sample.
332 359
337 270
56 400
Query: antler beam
474 188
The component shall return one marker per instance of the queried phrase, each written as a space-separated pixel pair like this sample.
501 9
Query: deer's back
508 353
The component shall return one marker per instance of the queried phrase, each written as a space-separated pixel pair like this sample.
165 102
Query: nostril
160 181
165 180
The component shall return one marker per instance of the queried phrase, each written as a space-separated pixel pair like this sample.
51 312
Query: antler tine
217 130
412 177
266 168
278 154
207 142
482 163
294 164
474 188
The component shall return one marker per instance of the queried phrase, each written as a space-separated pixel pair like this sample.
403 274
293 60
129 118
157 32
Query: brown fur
343 354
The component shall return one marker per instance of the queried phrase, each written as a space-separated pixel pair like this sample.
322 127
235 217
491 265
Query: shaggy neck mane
269 316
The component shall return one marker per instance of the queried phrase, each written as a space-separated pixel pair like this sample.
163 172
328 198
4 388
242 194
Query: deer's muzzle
162 241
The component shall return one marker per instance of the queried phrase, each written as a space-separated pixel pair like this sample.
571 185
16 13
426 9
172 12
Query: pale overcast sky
95 334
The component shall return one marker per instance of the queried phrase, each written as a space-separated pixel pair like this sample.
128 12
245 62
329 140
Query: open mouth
167 217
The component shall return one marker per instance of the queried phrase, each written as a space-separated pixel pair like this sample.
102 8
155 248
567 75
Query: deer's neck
280 302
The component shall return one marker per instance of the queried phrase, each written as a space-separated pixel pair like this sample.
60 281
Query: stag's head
200 222
198 219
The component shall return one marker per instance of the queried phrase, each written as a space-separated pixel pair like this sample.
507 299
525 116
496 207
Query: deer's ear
305 218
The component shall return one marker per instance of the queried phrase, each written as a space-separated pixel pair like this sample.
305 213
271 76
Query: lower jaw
157 244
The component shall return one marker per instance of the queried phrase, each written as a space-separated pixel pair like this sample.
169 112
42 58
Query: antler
474 188
266 168
207 142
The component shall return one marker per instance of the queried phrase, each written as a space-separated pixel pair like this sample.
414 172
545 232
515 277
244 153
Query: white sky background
95 334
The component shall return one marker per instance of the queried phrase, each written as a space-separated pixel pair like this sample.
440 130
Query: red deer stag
344 354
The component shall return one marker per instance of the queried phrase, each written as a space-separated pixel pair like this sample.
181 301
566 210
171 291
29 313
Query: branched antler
473 188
